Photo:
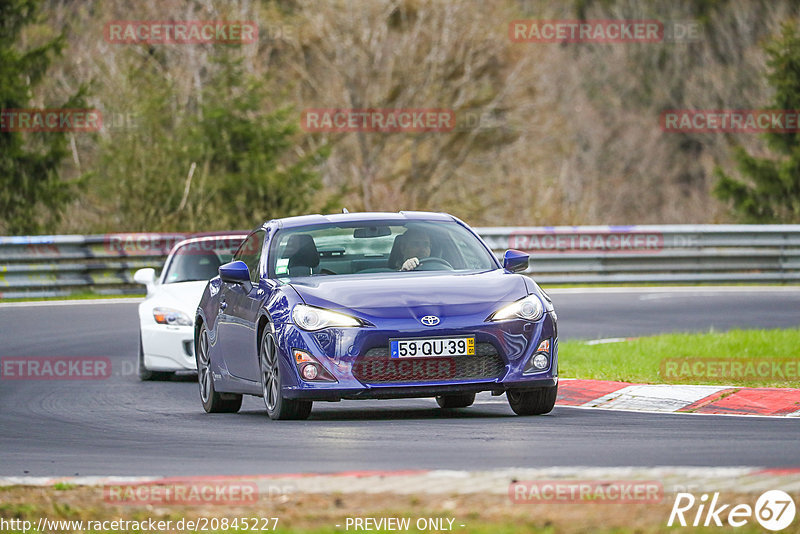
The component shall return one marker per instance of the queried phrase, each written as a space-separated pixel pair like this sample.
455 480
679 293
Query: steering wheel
438 264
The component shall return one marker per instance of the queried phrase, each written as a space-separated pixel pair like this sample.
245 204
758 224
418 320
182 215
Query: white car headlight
529 308
171 317
313 318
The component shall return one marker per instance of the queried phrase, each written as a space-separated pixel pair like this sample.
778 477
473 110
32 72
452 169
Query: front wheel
278 407
213 402
533 402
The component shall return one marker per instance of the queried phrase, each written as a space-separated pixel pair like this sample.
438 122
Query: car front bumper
168 348
341 351
408 392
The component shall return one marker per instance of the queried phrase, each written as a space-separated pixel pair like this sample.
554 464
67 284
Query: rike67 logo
774 510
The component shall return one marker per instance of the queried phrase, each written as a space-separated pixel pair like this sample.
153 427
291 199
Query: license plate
432 347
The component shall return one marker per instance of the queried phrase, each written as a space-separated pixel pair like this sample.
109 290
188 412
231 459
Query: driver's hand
410 264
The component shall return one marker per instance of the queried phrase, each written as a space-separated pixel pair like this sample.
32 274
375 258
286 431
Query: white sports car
166 317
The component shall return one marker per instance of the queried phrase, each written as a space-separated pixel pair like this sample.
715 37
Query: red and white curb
749 480
728 400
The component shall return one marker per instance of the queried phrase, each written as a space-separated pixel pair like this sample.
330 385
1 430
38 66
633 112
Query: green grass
319 513
88 295
685 358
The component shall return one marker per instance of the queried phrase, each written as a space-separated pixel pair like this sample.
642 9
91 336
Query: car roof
209 237
235 235
304 220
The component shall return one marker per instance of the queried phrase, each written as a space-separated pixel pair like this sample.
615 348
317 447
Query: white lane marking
654 397
77 302
662 412
495 481
79 480
680 289
698 293
605 340
503 401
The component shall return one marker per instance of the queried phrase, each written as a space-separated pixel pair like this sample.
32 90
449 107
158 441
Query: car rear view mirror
371 231
146 277
515 261
235 272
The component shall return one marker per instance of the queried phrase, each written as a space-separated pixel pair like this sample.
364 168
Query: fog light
310 371
309 368
540 361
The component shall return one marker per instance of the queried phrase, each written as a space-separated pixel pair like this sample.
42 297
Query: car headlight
171 317
313 318
529 308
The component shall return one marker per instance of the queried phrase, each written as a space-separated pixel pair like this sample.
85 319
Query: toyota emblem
430 320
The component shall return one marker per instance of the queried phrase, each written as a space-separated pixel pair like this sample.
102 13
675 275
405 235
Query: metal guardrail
58 265
38 266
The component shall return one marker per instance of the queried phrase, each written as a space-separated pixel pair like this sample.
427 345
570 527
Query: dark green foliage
31 190
252 157
771 192
249 164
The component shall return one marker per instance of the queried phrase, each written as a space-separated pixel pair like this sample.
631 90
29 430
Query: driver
416 245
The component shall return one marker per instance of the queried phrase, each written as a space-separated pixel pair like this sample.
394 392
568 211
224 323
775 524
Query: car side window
250 254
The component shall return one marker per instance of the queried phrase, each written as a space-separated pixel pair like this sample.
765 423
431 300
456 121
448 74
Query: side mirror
515 261
235 272
146 277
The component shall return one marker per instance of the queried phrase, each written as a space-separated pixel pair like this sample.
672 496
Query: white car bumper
168 348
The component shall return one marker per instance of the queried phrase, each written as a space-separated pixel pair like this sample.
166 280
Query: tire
278 407
457 400
213 402
533 402
145 374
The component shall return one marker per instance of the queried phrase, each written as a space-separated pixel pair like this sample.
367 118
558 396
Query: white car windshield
199 260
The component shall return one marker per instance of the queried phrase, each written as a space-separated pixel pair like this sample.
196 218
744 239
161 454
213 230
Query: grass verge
74 296
746 358
478 513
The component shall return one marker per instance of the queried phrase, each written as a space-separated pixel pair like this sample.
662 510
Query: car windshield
200 260
377 246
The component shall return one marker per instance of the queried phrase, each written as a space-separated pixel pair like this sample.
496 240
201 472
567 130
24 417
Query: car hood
184 296
404 294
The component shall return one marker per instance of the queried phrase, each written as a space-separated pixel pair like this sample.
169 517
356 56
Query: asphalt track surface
120 426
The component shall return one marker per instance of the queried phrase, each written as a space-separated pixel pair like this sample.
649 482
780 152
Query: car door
239 306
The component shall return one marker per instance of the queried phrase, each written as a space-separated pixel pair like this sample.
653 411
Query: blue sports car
373 306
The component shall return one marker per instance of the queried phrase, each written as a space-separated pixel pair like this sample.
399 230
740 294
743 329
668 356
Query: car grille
378 367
